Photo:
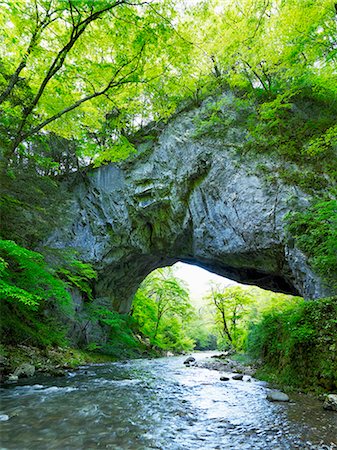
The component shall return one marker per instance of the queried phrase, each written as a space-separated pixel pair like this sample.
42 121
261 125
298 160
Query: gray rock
330 402
237 377
277 396
223 355
13 378
184 198
224 378
190 360
25 370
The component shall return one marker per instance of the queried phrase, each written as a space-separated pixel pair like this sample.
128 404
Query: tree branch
39 27
125 79
257 75
77 30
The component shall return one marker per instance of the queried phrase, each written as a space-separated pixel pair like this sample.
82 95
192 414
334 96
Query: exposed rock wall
199 200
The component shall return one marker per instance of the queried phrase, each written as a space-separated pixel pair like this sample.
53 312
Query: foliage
74 272
32 287
295 339
121 341
200 328
121 149
91 63
31 204
298 343
77 78
161 310
26 278
298 128
231 308
109 67
20 324
269 47
315 232
216 116
280 60
158 320
27 286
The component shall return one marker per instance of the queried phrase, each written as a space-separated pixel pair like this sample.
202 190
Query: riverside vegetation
78 79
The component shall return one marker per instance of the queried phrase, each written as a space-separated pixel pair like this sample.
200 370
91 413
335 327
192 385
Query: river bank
241 366
27 361
23 362
231 362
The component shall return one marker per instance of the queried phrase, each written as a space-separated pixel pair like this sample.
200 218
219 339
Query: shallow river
158 404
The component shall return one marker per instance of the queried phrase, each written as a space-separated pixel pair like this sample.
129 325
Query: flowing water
158 404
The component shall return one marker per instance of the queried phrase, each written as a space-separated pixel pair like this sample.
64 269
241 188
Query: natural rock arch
181 198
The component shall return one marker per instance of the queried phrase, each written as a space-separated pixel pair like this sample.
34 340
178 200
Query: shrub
299 343
315 232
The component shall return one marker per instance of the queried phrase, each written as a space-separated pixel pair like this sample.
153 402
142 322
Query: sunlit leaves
121 149
297 341
267 44
118 45
158 55
231 305
26 278
161 309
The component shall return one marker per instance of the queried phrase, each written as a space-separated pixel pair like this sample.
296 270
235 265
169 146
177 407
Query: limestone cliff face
200 200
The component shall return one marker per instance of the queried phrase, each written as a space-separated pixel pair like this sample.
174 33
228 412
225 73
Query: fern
26 278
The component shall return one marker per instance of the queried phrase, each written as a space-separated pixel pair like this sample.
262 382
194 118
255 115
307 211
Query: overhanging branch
113 83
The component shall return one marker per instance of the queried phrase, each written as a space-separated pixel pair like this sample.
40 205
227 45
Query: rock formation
192 198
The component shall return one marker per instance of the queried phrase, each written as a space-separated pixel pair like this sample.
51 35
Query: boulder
56 372
330 402
222 355
224 378
277 396
237 377
190 360
25 370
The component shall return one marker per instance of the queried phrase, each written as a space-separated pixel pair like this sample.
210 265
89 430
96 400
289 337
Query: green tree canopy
94 71
162 310
270 44
87 63
231 307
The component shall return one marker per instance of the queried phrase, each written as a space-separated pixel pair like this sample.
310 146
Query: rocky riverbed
160 404
224 362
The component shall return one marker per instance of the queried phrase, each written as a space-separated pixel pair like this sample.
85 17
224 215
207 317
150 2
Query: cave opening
183 306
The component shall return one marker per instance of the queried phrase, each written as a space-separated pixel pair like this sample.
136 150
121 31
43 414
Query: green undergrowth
128 339
243 358
35 294
22 326
296 129
298 345
315 233
122 339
